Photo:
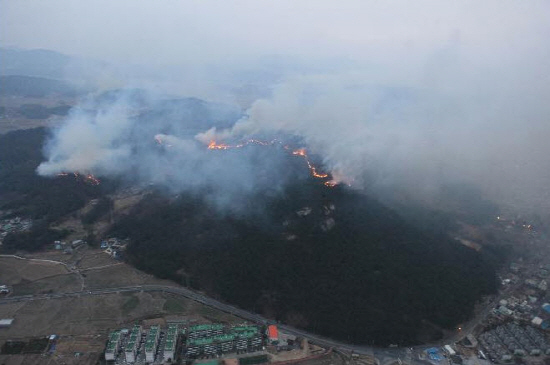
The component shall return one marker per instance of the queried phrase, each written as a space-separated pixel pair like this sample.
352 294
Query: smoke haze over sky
386 92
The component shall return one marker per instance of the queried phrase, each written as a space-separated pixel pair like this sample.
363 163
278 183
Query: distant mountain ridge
34 62
35 87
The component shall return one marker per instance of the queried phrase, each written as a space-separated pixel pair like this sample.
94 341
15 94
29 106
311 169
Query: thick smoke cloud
416 139
147 140
395 97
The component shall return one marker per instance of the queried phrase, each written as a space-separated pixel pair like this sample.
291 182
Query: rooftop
205 327
6 322
151 340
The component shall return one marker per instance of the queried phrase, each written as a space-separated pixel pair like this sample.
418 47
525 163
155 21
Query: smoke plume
147 140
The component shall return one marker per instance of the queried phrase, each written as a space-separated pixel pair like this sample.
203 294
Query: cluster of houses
527 301
114 246
507 341
16 224
68 247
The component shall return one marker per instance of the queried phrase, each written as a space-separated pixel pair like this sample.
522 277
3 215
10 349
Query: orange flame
213 145
312 169
92 179
302 152
221 146
87 178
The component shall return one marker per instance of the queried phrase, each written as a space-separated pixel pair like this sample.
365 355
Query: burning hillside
301 152
87 178
333 261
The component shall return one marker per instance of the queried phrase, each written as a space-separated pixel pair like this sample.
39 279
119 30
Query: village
16 224
512 327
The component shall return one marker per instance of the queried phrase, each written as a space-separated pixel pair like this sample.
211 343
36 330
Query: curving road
385 355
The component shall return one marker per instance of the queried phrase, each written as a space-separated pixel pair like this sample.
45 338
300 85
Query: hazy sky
472 77
175 32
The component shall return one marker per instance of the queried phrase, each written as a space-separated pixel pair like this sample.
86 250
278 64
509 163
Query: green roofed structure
133 344
216 339
151 343
112 345
171 342
205 327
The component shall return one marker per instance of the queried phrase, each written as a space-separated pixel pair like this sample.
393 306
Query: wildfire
221 146
312 169
213 145
92 179
302 152
89 178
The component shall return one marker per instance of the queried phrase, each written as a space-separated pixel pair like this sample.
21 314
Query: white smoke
414 138
88 142
147 140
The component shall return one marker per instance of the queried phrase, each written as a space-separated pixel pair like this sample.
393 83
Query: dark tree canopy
372 278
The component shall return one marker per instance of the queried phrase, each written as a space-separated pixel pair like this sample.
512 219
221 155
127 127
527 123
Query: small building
536 321
450 350
6 322
546 307
272 333
76 243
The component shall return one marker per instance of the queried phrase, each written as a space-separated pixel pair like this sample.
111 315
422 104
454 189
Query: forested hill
24 193
329 260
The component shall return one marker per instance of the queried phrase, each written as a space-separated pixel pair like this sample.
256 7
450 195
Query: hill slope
329 260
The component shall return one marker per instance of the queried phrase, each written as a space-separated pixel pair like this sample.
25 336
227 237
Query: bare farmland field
82 323
14 271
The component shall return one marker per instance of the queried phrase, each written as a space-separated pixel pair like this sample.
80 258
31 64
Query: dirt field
60 283
84 322
14 271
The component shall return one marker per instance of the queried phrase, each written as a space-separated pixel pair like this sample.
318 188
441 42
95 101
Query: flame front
89 178
301 152
213 145
221 146
92 179
312 169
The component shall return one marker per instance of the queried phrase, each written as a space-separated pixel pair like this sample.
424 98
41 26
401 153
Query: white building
4 323
450 350
171 342
151 343
133 344
112 346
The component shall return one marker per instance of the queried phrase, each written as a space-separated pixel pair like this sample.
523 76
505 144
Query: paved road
384 355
